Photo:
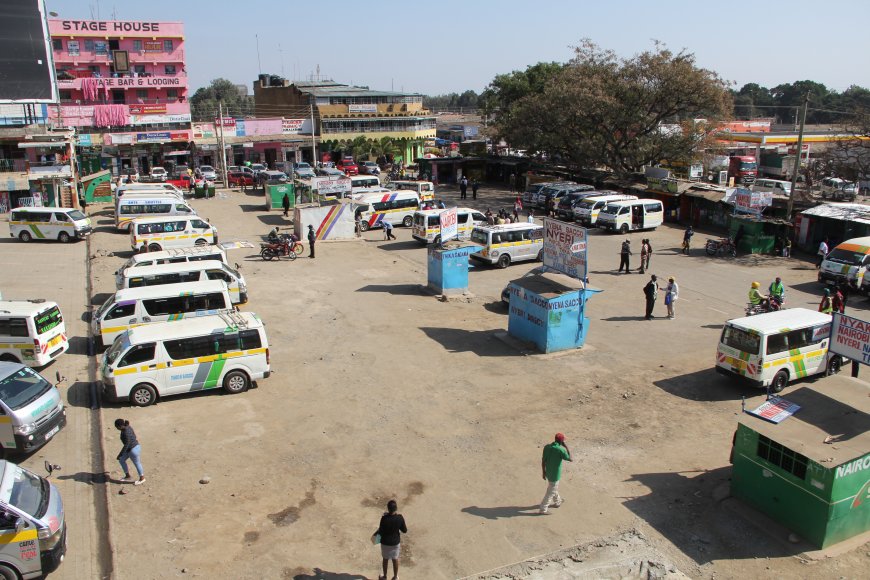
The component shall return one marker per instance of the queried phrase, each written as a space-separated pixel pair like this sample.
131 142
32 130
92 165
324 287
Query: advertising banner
147 109
850 337
292 126
449 224
157 137
330 186
362 108
203 130
565 248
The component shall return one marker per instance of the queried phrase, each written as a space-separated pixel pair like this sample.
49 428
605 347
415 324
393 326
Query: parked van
133 307
775 186
31 407
568 201
173 256
774 348
846 263
533 190
358 182
587 210
185 273
229 350
397 207
139 205
508 243
427 225
49 223
543 196
31 332
148 188
625 216
425 189
33 524
838 189
162 233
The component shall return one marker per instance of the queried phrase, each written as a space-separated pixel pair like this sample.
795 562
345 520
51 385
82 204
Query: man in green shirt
551 470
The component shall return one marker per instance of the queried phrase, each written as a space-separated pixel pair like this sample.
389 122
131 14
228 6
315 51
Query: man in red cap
551 470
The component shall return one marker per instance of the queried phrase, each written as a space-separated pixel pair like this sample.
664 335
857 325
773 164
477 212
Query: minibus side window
163 306
181 208
213 301
777 343
61 217
13 327
138 354
250 339
800 338
199 224
121 311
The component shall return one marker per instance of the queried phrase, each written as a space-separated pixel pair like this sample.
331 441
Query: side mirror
20 524
238 267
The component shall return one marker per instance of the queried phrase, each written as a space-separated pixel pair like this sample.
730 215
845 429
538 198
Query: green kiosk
275 195
811 471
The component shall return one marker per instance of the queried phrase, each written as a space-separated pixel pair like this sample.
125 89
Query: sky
446 46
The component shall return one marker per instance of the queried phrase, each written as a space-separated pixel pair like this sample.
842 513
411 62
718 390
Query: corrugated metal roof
853 212
338 90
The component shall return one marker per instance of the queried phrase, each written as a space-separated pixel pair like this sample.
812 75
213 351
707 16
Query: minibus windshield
22 388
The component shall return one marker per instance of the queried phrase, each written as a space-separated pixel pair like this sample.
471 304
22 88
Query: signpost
754 202
850 338
330 186
449 224
565 248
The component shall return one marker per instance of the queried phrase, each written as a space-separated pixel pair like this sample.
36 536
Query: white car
369 168
303 170
208 172
158 173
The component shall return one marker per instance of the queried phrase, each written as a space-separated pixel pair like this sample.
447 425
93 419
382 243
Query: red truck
182 182
348 166
743 168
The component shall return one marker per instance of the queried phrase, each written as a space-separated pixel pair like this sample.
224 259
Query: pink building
123 84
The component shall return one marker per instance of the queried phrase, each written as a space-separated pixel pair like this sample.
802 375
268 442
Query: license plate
55 340
52 433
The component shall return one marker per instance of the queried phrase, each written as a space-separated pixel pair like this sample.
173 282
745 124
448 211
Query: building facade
343 113
123 86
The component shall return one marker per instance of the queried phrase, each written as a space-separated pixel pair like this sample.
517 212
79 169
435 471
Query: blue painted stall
448 267
548 311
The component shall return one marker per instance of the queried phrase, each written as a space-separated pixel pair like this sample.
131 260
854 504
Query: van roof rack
234 319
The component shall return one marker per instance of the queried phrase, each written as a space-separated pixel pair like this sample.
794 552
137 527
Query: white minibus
427 224
358 182
776 186
31 409
162 233
424 189
508 243
32 332
132 307
587 210
229 350
185 273
140 205
625 216
149 188
173 256
847 263
398 207
774 348
49 223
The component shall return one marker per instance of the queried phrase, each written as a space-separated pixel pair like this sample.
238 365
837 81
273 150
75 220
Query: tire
408 221
298 249
154 247
363 226
732 252
834 365
236 382
504 261
268 254
711 250
623 229
437 240
64 237
25 237
7 573
9 358
291 256
143 395
200 243
779 382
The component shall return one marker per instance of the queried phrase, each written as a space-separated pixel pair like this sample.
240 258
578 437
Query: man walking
651 291
463 188
513 182
624 253
285 203
388 230
823 252
312 237
475 185
551 470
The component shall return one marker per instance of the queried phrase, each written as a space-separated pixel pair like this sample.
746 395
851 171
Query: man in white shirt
823 252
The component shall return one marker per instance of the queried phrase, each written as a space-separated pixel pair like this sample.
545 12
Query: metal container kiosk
786 470
275 195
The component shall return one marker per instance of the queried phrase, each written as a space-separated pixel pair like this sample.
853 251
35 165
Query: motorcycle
721 247
771 304
284 246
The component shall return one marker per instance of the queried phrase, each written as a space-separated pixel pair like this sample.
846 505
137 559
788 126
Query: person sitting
755 297
777 294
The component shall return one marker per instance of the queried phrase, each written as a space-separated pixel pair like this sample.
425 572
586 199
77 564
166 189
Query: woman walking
391 541
672 292
131 450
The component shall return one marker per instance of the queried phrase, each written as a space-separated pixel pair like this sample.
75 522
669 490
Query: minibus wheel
363 226
200 242
9 358
504 261
143 395
7 573
834 365
780 380
624 229
408 221
154 247
63 237
236 382
25 237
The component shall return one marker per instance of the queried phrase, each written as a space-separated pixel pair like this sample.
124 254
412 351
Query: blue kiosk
548 309
448 267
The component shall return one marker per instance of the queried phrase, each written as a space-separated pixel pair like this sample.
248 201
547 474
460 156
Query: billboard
26 65
449 224
565 248
850 337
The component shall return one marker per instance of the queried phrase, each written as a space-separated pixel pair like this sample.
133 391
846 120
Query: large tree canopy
600 110
204 102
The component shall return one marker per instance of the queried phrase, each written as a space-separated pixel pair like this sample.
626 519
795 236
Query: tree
204 102
360 147
752 101
384 150
507 89
600 110
849 158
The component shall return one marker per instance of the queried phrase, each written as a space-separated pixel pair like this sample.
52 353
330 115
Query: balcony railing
135 101
13 165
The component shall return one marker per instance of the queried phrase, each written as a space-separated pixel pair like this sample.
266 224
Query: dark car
565 208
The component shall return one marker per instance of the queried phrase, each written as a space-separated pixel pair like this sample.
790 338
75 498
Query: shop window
65 95
141 93
137 47
782 457
169 69
139 69
167 45
171 93
57 44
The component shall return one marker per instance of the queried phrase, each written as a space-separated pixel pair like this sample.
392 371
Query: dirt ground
381 391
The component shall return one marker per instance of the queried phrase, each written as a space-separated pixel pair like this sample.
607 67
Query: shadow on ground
394 289
479 342
706 385
502 512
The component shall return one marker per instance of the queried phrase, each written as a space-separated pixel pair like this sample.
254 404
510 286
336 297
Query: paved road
58 272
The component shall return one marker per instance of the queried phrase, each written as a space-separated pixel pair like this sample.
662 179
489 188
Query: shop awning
46 144
176 153
713 195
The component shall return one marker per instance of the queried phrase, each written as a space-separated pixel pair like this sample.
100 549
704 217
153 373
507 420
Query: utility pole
221 141
313 139
797 167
